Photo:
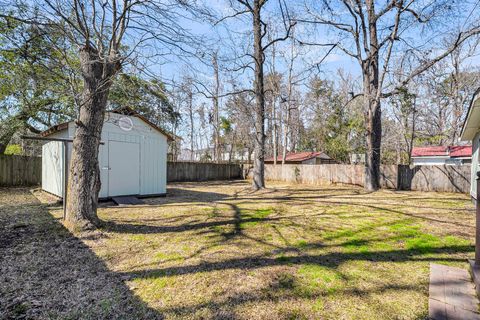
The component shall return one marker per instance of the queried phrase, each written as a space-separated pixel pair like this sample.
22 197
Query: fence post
399 177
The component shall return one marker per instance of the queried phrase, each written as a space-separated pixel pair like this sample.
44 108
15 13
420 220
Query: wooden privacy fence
196 171
402 177
20 171
435 178
27 171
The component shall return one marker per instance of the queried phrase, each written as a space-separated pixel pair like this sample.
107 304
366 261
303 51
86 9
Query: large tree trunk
373 141
286 132
84 179
373 119
259 165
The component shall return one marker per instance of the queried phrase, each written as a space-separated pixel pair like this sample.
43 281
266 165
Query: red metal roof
300 156
445 151
460 151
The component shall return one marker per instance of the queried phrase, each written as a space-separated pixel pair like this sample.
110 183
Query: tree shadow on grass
329 260
278 292
325 199
287 289
177 196
46 272
236 222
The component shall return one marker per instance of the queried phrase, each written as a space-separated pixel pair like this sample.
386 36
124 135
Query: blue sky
431 38
425 38
233 37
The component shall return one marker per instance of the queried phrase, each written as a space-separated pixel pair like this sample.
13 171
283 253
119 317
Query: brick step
451 294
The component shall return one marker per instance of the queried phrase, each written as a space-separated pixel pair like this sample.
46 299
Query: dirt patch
47 273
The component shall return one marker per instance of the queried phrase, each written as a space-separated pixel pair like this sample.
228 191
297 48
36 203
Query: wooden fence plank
27 171
20 171
419 178
196 171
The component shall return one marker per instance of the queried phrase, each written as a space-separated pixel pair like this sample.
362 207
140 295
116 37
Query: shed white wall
52 165
153 156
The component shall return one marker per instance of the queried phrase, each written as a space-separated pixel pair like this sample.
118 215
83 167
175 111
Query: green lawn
217 250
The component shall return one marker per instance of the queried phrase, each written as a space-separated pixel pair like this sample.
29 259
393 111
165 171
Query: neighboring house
442 155
241 155
303 158
208 155
133 158
471 132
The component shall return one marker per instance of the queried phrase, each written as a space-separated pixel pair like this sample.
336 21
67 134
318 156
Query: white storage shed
133 158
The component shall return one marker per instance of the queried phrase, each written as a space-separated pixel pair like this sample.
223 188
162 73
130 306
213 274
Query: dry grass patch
217 250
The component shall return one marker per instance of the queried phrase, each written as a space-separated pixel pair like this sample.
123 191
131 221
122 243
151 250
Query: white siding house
132 160
441 155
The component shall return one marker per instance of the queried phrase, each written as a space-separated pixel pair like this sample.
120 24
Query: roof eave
54 129
471 123
64 126
427 156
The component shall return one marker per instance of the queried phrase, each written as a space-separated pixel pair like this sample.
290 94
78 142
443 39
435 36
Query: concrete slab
451 294
127 200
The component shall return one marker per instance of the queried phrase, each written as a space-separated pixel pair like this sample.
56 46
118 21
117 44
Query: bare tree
369 35
216 108
288 101
272 85
107 35
253 8
186 93
405 113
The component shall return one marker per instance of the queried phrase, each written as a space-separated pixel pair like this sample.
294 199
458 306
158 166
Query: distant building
199 155
303 158
357 158
442 155
240 155
208 155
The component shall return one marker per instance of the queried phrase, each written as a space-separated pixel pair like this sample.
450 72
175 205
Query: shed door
124 165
